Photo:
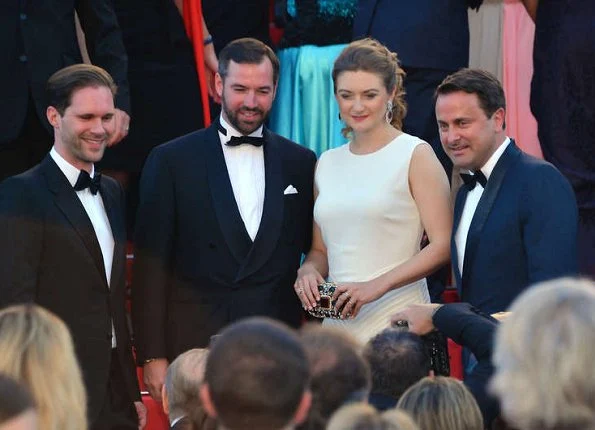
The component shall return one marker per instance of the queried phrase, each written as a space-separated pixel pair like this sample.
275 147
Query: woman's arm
313 270
430 189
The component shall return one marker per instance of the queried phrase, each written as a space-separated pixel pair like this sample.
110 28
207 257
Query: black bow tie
240 140
85 181
472 180
250 140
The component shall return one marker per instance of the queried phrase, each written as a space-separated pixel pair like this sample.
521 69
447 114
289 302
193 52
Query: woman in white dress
375 196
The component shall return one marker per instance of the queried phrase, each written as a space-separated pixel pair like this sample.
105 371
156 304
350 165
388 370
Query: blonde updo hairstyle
362 416
369 55
442 403
37 351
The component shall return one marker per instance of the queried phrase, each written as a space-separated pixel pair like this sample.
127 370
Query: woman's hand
306 285
352 296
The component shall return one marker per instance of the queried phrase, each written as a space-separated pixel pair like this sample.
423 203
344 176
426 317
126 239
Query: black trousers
118 411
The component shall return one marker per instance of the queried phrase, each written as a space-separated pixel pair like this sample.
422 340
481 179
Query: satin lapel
272 211
67 201
224 202
113 208
459 205
485 205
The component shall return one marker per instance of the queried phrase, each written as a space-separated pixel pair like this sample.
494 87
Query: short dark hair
257 374
339 373
14 399
397 359
62 84
486 86
247 51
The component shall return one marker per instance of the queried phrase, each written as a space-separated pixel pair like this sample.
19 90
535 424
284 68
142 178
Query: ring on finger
300 290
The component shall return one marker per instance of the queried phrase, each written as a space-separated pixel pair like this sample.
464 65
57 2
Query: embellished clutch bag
326 306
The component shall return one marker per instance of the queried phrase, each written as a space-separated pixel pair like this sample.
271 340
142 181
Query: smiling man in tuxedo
62 243
515 219
224 217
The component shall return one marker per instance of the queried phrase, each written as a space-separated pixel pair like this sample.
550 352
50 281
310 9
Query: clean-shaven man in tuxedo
224 217
62 243
38 38
515 219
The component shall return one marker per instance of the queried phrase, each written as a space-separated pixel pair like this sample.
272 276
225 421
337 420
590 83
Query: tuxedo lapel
72 208
459 206
224 202
485 205
113 208
272 213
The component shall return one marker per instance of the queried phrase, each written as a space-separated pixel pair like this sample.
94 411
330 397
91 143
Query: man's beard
235 122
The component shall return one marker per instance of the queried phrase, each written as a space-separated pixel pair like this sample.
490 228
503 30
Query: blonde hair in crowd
543 357
362 416
37 350
369 55
439 403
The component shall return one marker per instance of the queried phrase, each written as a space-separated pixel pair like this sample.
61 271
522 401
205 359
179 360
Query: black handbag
325 308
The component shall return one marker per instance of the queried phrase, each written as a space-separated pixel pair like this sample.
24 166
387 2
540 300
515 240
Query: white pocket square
290 190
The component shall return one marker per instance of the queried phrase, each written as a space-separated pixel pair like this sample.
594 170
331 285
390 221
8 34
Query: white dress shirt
471 203
245 166
95 209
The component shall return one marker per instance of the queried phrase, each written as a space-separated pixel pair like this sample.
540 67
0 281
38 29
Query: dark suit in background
431 38
523 231
471 328
196 268
228 20
38 37
49 254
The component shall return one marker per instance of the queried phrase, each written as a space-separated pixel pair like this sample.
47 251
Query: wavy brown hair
369 55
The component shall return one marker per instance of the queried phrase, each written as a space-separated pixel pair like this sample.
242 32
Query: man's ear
499 118
207 403
53 116
303 408
219 84
164 400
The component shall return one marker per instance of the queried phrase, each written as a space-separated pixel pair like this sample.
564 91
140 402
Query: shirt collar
488 167
231 131
71 172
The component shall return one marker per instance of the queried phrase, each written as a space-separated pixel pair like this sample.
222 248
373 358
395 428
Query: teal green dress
305 109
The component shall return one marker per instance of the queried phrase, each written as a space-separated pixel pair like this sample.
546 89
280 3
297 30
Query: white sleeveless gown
370 224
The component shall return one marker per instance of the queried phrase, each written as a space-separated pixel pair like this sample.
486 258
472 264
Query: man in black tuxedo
38 38
62 243
515 219
224 217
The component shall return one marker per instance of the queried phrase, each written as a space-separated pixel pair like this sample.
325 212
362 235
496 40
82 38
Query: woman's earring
340 119
389 112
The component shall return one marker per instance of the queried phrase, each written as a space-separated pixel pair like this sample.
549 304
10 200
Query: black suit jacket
196 269
471 328
49 255
524 231
431 34
38 38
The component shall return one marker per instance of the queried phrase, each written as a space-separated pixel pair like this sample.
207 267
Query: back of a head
397 360
543 354
338 370
37 351
361 416
257 375
15 401
442 403
182 382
